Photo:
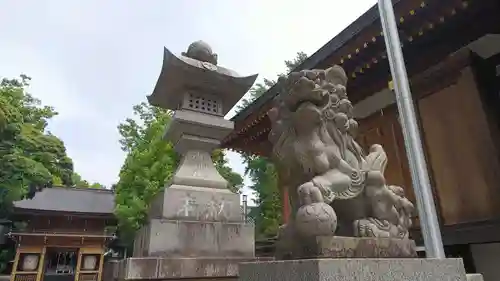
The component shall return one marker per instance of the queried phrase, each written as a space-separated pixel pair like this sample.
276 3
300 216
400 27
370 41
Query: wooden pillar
78 266
285 199
101 266
41 262
15 265
286 205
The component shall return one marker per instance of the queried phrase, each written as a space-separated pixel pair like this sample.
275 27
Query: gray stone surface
196 169
180 73
180 202
199 124
355 270
475 277
172 238
111 270
346 247
176 268
343 189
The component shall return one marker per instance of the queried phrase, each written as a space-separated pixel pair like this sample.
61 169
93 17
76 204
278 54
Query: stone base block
346 247
355 269
180 268
171 238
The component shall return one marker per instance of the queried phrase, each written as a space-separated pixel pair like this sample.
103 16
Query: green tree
260 88
255 92
29 154
262 173
79 182
31 158
267 214
149 164
97 185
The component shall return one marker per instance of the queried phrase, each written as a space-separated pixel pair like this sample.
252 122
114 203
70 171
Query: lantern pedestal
195 229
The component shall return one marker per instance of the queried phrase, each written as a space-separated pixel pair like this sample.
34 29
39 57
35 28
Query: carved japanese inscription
216 208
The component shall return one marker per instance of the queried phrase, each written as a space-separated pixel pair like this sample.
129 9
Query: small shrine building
65 234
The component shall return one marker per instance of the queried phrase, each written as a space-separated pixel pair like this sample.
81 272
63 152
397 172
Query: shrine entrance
60 265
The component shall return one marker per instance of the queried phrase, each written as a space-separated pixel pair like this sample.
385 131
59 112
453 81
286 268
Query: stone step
475 277
354 269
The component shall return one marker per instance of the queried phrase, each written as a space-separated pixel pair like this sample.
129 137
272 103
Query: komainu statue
340 190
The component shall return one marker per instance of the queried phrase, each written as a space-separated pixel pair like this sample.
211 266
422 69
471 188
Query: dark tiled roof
72 200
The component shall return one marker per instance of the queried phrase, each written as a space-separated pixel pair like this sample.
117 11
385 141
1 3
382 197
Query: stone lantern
200 93
195 227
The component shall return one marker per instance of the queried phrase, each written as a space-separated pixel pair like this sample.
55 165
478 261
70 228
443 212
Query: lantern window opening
202 103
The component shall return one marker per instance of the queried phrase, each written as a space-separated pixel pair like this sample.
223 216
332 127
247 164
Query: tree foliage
29 154
149 164
31 157
79 182
267 214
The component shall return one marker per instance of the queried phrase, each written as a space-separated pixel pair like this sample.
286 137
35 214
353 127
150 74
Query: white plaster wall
487 260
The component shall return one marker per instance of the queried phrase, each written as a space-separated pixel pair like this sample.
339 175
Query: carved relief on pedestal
200 163
188 207
216 208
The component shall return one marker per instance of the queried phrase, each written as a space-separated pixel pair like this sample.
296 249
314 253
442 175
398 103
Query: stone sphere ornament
201 51
316 219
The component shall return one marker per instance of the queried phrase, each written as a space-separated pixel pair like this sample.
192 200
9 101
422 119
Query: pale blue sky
94 59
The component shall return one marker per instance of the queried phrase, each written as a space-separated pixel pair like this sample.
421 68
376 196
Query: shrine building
65 234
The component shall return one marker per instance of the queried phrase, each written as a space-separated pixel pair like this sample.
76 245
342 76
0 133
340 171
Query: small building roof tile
71 200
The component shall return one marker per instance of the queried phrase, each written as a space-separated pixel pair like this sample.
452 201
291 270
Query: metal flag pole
420 177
